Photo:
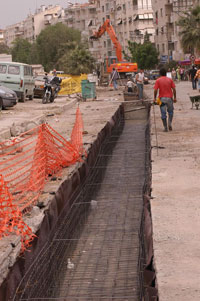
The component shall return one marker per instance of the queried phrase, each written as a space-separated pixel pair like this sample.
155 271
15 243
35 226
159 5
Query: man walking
192 74
114 77
167 95
140 83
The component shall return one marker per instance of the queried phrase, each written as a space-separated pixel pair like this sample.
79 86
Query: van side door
13 77
28 81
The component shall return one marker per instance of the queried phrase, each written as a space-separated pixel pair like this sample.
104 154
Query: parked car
154 74
146 78
39 86
8 98
18 77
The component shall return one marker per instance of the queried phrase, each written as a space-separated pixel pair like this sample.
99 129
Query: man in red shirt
167 95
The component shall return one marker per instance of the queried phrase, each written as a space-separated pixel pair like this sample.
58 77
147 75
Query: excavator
117 61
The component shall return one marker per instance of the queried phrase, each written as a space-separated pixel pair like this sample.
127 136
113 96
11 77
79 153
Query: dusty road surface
176 201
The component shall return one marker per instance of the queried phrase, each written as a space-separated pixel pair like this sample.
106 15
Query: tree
189 25
146 54
4 48
21 51
55 41
78 60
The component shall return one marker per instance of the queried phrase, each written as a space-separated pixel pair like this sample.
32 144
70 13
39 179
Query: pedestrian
167 96
169 73
114 77
192 74
173 74
182 73
140 83
197 76
130 85
178 74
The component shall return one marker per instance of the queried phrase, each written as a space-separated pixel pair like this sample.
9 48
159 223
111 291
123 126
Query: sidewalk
176 202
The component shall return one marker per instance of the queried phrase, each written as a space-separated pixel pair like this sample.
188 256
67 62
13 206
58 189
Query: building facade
31 27
167 40
131 20
2 34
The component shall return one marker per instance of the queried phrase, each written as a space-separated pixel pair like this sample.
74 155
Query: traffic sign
192 57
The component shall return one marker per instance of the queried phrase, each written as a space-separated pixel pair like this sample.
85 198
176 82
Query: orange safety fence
26 162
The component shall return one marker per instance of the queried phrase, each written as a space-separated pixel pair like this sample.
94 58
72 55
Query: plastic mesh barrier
26 163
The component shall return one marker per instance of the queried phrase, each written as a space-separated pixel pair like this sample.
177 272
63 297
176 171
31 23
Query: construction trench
95 242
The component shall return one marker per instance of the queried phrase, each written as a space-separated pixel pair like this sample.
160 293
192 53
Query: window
109 43
26 70
107 6
102 8
3 69
163 47
13 70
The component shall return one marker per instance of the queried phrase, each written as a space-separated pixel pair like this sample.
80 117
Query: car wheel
23 98
1 104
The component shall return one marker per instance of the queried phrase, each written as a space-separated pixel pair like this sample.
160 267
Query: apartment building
2 36
31 27
167 39
84 18
131 19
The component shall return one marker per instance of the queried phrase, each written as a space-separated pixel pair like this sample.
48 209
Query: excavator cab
109 63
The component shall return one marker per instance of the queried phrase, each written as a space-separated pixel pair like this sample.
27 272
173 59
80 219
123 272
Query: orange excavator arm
110 30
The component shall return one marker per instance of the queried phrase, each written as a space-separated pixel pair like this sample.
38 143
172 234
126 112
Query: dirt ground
175 204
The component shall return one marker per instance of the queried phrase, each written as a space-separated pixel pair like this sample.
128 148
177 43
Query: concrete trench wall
65 197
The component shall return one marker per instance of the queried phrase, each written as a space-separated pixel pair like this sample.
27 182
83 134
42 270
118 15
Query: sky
13 11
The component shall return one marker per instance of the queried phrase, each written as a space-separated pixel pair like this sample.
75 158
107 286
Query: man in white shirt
130 85
140 83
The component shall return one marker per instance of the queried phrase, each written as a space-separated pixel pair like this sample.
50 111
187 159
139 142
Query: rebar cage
96 251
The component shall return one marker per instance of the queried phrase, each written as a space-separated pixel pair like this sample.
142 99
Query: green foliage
34 57
55 41
189 25
76 61
21 51
170 65
146 54
58 47
4 48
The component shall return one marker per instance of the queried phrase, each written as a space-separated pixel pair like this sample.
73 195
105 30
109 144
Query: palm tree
189 25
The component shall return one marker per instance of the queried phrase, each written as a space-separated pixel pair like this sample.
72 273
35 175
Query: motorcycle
48 93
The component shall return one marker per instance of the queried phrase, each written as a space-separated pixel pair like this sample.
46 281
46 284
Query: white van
19 78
